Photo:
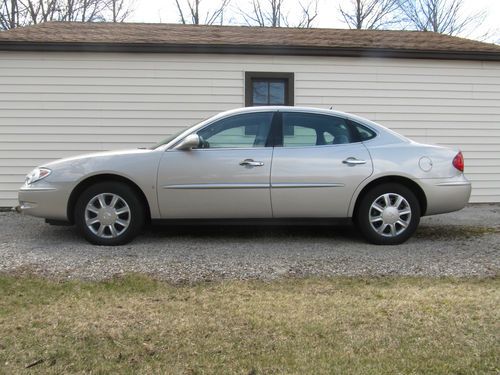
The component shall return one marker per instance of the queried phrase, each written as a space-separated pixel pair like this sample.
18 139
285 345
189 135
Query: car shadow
289 232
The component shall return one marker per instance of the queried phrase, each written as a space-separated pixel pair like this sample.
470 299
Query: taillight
458 161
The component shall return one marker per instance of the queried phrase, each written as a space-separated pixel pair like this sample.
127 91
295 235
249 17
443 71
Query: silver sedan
260 164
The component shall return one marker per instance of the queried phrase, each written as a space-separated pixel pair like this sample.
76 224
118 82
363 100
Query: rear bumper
446 195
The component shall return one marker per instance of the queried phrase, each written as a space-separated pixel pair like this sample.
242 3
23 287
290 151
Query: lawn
291 326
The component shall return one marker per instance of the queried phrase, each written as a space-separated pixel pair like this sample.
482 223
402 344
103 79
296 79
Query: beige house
72 88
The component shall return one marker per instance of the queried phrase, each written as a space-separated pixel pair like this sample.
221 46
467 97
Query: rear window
364 133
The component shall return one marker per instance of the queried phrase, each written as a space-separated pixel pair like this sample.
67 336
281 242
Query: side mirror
191 141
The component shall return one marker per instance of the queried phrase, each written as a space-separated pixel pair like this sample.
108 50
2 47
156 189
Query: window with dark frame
269 88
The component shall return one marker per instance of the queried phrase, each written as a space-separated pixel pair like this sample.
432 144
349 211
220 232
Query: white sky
166 11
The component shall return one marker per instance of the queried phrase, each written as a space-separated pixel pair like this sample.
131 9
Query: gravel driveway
464 243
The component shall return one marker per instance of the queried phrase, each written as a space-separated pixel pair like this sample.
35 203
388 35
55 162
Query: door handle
251 163
353 161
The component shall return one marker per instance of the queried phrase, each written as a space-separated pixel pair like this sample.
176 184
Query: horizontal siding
55 105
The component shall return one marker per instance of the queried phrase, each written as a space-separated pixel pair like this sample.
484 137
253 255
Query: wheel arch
105 177
405 181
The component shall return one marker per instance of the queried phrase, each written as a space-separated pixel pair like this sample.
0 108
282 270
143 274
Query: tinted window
307 129
364 133
247 130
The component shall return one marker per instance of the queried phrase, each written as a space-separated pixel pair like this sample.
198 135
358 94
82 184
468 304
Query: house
72 88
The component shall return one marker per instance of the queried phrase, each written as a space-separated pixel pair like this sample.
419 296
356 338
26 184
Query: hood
97 155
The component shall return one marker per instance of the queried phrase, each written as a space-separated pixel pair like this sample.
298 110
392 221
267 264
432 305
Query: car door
227 176
318 167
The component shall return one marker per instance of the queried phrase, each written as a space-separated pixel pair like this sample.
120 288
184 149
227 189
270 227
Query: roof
141 37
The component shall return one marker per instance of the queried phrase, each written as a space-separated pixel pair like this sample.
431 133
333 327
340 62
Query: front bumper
446 195
43 200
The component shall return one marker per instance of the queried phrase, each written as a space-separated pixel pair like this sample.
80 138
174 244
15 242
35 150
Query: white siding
54 105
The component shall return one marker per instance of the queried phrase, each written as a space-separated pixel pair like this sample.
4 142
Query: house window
266 88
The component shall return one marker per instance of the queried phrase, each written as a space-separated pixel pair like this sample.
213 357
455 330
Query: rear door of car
317 166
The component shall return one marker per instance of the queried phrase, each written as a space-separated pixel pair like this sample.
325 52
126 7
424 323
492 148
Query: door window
239 131
308 129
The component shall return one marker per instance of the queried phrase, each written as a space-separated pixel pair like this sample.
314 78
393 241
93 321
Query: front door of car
226 176
318 167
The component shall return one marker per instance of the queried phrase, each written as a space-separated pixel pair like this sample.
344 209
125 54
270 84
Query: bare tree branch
371 14
190 12
119 10
275 13
441 16
14 13
309 13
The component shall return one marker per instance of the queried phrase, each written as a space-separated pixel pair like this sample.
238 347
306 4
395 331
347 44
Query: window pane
302 136
234 132
305 129
364 133
277 93
260 92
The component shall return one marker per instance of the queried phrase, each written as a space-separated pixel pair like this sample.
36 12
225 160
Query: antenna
331 107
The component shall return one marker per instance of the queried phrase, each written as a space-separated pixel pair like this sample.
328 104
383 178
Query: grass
295 326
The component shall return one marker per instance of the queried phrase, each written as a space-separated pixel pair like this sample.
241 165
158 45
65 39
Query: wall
54 105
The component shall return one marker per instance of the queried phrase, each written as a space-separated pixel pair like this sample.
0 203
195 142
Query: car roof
286 109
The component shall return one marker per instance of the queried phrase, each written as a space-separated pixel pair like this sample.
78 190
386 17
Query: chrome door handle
353 161
251 163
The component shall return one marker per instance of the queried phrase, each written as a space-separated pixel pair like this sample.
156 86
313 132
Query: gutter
246 50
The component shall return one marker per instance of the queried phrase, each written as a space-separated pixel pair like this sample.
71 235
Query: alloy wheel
390 214
107 215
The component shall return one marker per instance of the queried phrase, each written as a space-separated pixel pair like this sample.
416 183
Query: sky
329 17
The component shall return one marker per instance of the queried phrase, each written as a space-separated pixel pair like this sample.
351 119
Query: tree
441 16
119 10
14 13
371 14
268 13
9 14
189 12
309 14
273 13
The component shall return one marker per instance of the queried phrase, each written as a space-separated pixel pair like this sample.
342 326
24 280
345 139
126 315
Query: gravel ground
464 243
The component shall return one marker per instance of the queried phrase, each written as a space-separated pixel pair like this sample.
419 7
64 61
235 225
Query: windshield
169 138
176 134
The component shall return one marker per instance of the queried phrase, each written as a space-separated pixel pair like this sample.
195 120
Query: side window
297 135
309 129
364 133
239 131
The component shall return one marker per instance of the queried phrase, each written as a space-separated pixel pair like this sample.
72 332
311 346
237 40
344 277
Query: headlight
36 175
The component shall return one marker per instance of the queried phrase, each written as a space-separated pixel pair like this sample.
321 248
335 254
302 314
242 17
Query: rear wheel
388 214
109 213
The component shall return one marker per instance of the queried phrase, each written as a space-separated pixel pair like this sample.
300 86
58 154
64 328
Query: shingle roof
140 37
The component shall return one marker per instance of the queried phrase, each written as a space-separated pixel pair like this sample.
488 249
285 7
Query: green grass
295 326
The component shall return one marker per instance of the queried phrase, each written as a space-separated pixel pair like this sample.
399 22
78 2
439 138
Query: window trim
289 85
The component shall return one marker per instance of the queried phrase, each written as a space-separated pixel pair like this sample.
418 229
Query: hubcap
107 215
390 214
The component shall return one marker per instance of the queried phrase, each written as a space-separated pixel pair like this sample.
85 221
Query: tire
118 222
392 223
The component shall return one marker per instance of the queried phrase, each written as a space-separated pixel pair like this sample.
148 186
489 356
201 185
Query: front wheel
388 214
109 213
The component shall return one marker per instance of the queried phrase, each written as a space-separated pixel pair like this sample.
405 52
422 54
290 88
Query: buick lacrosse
258 164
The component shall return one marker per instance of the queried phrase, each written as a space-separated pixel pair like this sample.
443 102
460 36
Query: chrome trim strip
287 185
217 186
454 183
36 189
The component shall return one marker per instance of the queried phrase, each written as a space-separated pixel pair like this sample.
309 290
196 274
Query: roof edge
246 50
